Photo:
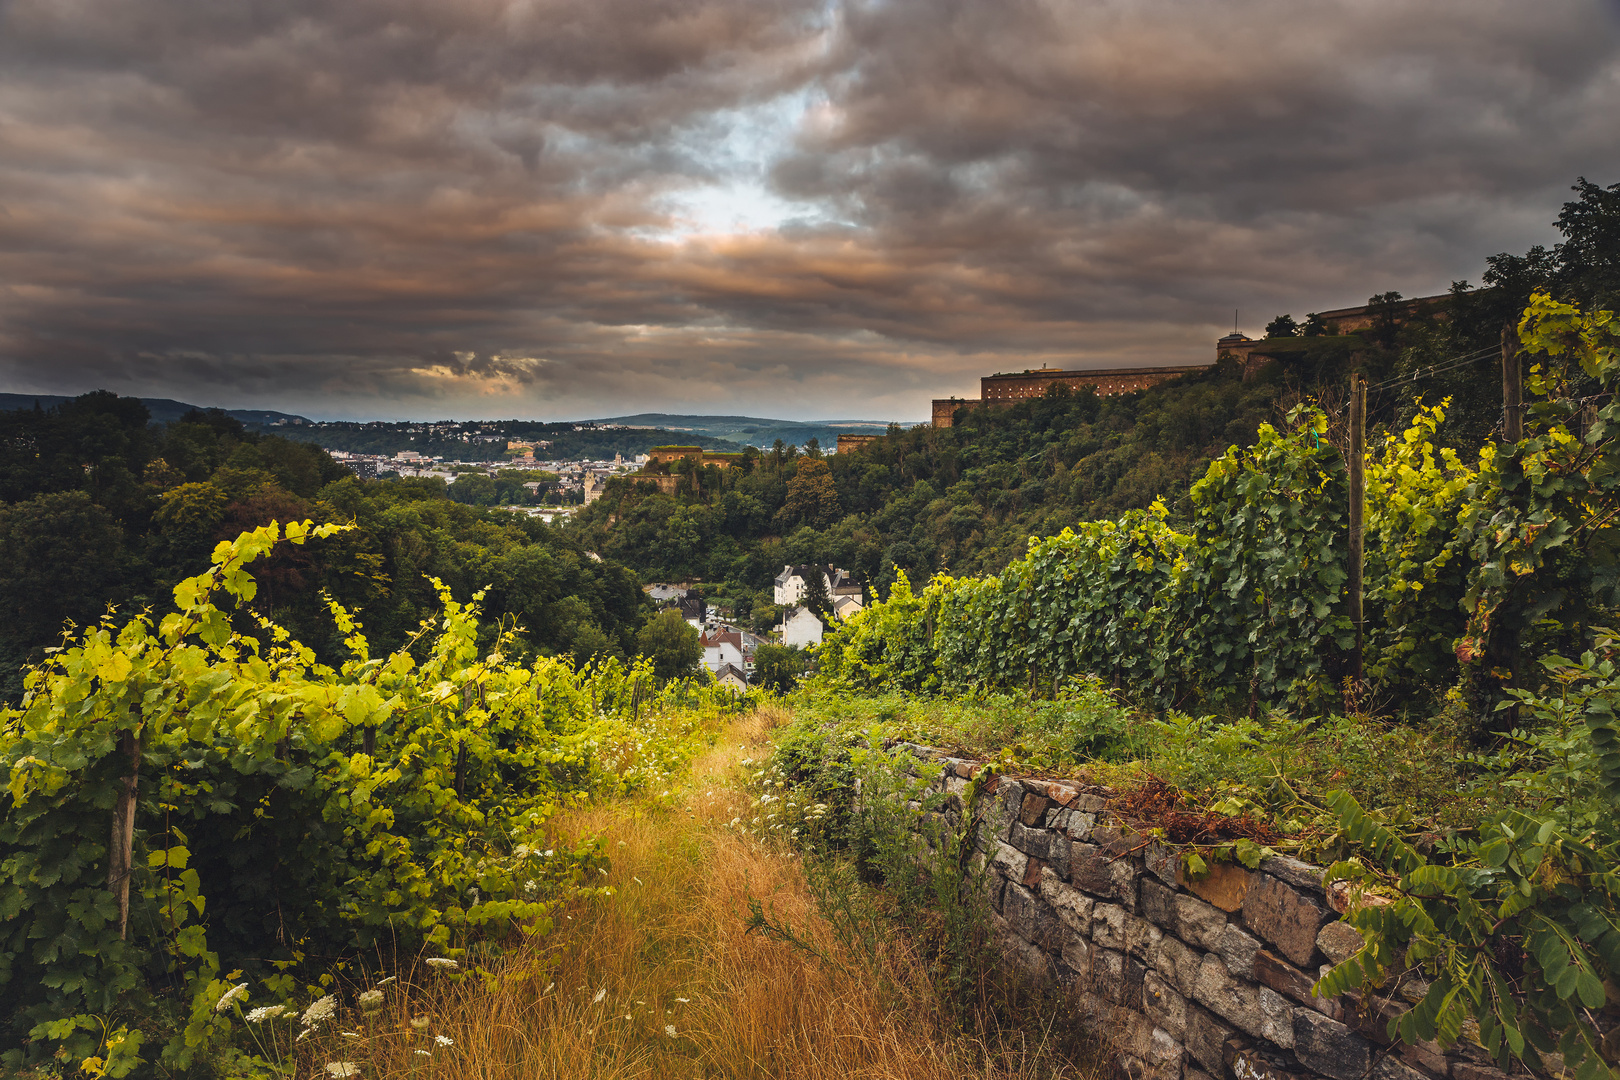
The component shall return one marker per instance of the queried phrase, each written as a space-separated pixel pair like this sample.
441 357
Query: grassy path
660 979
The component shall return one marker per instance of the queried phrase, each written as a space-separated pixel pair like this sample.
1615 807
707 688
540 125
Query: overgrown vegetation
879 864
201 813
663 972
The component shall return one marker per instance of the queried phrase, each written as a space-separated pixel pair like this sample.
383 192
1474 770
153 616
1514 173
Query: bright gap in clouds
739 146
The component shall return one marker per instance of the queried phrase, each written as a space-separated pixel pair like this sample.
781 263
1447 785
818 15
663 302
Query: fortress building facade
1008 388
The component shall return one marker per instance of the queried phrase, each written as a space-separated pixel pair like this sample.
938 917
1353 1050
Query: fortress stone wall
1019 386
945 409
1191 980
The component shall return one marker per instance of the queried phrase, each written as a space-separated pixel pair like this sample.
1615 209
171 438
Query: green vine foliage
1258 613
1546 533
891 644
287 811
1078 603
1518 930
1245 608
1419 530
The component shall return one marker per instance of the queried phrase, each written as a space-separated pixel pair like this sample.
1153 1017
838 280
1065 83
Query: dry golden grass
660 980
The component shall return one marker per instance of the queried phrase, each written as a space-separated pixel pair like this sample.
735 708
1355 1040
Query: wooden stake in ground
1502 647
120 852
1358 501
1512 388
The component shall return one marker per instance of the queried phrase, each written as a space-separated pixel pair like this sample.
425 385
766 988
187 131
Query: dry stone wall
1192 980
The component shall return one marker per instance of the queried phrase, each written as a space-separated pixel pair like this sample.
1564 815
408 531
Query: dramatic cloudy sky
793 208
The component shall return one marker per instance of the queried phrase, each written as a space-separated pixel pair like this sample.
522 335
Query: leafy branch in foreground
1520 930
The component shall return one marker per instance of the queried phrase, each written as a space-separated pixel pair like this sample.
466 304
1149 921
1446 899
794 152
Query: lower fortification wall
1191 980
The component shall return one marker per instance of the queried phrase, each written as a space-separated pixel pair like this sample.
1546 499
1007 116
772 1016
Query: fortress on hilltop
1251 354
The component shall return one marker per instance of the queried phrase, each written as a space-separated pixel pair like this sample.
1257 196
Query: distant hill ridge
756 430
163 410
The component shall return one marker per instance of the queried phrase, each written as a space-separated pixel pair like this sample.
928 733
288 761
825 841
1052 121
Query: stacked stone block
1191 980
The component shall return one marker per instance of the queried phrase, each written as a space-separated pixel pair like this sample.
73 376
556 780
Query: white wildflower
669 1029
321 1009
266 1012
349 1034
683 1001
549 852
342 1069
600 994
420 1023
370 1001
443 1040
549 987
235 993
443 962
302 1035
423 1053
385 982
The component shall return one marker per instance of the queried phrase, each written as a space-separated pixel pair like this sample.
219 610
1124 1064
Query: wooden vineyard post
1358 502
120 852
1512 388
1502 646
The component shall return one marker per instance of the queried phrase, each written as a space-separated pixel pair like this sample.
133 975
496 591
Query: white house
722 648
789 584
800 628
732 677
844 593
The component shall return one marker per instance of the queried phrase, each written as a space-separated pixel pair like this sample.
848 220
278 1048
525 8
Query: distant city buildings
578 482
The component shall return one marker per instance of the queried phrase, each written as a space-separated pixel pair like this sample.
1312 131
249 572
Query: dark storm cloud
385 207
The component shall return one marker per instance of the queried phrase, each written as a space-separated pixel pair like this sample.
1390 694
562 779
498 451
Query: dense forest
968 498
101 507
